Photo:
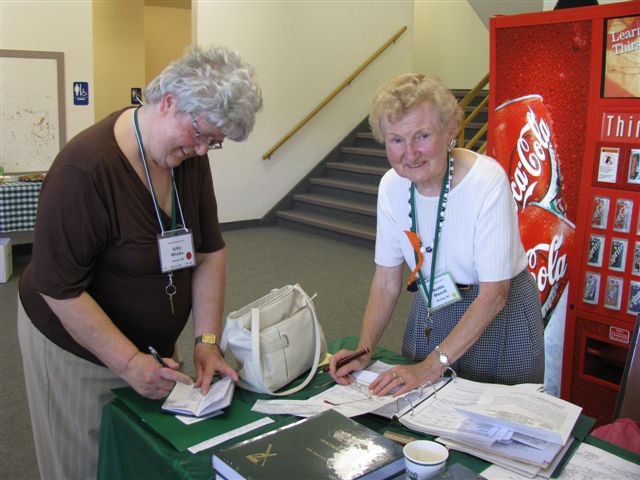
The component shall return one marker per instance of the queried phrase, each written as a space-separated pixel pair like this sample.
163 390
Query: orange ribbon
414 240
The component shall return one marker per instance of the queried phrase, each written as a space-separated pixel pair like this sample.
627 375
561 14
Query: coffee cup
424 459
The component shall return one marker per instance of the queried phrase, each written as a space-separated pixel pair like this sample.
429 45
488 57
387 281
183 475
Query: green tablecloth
131 449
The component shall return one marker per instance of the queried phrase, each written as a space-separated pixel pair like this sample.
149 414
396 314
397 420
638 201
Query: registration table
131 449
18 205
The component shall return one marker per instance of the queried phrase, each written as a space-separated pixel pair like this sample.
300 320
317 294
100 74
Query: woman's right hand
150 379
342 375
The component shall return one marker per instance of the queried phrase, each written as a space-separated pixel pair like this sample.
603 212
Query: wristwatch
442 357
208 338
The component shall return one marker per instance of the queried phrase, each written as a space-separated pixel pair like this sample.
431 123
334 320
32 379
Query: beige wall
133 41
118 46
451 42
60 26
167 32
302 51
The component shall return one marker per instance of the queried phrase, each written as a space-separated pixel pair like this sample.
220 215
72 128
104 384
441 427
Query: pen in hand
350 358
157 356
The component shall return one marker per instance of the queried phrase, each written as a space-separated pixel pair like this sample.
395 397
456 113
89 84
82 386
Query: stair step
328 223
340 202
365 135
357 168
336 203
344 185
370 152
460 94
364 138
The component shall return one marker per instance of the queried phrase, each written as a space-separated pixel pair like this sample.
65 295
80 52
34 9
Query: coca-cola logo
533 148
556 265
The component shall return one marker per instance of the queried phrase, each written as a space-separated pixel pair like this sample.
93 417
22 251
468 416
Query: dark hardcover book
457 471
325 446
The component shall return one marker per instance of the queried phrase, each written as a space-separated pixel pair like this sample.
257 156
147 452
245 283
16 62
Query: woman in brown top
127 245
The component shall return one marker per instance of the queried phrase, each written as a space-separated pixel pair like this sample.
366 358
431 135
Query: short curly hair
402 93
215 81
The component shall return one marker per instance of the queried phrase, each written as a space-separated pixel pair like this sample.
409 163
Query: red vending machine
565 123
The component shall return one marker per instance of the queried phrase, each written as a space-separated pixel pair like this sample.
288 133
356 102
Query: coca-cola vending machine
564 121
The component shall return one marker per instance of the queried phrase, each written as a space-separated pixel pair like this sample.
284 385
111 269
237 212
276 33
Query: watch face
442 357
209 338
443 360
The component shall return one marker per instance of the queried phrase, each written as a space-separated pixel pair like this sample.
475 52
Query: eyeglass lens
211 142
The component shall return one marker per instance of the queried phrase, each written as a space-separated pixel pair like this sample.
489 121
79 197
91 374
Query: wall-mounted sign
81 93
621 72
136 96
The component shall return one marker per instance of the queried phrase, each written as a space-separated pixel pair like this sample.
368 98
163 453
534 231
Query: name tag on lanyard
176 250
445 292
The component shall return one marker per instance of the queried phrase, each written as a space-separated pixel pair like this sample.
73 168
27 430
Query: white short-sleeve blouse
480 240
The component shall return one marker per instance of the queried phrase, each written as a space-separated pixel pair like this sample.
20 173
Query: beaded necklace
416 242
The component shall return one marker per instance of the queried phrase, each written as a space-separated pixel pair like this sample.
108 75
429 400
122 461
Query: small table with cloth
18 206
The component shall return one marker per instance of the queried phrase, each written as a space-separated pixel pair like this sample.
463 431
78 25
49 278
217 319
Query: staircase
338 198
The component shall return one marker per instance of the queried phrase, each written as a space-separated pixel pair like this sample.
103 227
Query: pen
343 361
157 356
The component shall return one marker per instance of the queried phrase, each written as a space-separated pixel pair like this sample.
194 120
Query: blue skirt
511 349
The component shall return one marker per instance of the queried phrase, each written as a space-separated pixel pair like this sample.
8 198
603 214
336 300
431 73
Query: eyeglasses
212 143
354 392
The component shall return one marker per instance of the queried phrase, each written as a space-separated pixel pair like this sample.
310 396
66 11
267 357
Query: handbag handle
255 346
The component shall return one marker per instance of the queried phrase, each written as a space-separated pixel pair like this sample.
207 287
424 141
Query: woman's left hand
399 380
209 361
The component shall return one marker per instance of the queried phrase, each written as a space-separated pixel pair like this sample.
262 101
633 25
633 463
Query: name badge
445 292
176 250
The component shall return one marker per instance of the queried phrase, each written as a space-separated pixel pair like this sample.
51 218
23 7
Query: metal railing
469 97
330 97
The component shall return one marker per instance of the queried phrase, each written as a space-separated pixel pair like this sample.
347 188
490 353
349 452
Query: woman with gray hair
449 214
127 246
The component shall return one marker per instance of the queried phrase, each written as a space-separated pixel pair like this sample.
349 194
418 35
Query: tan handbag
274 340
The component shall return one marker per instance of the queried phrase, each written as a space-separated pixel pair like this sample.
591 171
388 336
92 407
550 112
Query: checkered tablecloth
18 205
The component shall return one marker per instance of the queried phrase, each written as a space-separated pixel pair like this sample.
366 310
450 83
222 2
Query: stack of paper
517 427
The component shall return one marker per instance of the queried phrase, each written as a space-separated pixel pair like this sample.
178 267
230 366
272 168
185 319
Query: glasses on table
360 391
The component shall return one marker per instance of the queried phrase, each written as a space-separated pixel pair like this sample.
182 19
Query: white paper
189 400
593 463
608 164
349 400
299 408
536 414
522 469
189 420
587 463
441 415
212 442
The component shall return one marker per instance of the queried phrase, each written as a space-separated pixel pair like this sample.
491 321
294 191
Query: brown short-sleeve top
96 232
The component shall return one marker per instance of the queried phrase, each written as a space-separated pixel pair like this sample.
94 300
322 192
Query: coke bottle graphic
524 144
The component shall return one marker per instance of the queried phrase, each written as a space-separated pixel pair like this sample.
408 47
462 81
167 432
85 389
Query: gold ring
401 379
395 375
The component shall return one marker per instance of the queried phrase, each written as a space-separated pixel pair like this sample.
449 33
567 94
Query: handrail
469 118
330 97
